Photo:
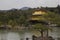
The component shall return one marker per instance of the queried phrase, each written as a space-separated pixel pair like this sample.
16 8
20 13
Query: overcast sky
9 4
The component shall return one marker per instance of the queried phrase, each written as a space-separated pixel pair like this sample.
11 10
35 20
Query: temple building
37 17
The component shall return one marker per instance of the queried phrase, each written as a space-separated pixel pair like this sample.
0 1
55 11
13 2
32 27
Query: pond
15 36
9 35
55 33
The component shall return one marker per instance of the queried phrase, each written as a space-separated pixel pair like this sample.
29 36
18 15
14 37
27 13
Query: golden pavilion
37 16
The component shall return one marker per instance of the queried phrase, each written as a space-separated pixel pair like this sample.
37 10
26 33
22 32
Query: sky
9 4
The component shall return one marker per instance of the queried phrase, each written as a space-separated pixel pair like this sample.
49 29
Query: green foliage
15 17
40 27
19 17
52 17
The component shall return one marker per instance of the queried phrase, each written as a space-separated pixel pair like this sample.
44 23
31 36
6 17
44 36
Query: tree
41 28
53 18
